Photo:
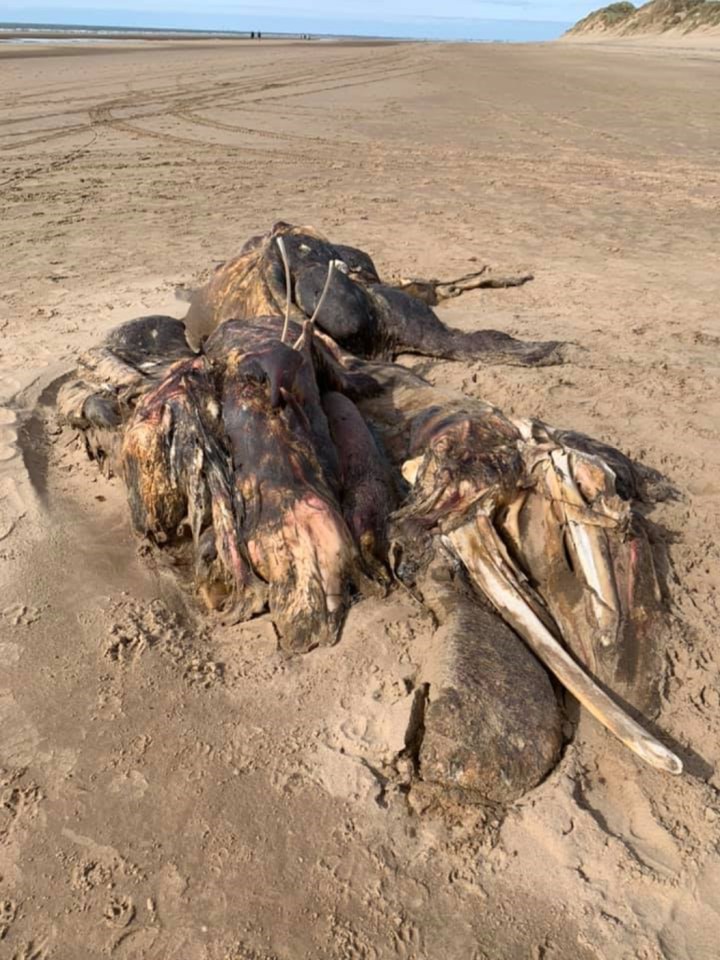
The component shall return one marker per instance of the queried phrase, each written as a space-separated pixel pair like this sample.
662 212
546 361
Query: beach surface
168 790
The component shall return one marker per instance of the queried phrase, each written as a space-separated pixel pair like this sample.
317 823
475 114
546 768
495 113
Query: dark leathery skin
367 493
297 539
289 373
364 315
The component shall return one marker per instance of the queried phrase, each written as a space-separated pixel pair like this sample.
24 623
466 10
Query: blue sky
453 19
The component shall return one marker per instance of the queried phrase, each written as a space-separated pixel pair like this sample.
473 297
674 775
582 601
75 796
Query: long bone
288 287
584 529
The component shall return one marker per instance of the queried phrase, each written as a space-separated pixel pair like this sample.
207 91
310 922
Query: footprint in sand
120 911
18 803
8 912
21 615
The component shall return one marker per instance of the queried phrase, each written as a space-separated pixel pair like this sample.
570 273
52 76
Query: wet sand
173 791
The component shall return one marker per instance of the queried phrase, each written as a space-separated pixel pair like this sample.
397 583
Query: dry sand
695 45
170 792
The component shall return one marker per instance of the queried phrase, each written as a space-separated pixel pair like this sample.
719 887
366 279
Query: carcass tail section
494 346
405 323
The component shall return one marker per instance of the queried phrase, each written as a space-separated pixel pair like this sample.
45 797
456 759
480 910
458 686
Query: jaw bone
478 545
468 480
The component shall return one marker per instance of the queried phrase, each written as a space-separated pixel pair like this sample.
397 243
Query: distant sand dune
670 19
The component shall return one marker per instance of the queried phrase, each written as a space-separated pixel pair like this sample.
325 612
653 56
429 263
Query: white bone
288 290
476 544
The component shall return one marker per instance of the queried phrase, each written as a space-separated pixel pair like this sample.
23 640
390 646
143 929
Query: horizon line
230 31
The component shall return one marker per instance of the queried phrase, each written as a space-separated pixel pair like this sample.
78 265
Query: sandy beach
168 790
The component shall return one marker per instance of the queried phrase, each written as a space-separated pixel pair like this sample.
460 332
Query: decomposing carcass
273 445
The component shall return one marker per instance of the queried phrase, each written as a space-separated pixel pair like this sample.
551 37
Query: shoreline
12 49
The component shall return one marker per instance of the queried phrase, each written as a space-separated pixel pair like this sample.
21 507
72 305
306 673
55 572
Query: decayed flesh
288 373
177 476
469 474
112 376
362 314
367 493
403 401
492 727
297 539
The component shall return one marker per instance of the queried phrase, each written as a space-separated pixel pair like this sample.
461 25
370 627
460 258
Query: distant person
252 35
259 35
